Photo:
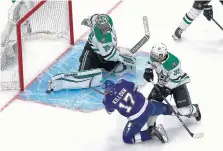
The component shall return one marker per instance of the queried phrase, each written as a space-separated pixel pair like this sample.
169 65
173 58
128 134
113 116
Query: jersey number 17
127 98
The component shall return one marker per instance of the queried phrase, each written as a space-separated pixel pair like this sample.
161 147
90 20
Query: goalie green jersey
104 44
169 72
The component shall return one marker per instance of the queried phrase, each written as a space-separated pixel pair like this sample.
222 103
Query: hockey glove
127 59
208 12
148 74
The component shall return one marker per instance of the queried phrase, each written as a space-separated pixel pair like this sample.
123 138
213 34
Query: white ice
26 126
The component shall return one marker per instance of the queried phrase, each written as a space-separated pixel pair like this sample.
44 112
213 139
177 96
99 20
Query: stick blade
146 26
198 135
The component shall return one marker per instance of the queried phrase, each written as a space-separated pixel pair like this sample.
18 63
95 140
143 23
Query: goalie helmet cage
45 19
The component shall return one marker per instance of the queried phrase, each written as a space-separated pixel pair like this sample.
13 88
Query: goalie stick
194 135
136 47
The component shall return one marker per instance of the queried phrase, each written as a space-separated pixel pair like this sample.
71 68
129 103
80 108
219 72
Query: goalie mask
102 22
159 52
108 86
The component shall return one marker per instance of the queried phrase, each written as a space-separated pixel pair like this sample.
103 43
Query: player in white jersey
171 80
100 54
194 12
101 49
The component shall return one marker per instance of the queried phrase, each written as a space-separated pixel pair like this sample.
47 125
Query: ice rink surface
27 126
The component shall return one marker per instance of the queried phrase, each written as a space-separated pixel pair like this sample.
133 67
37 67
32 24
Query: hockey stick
136 47
103 93
217 23
194 135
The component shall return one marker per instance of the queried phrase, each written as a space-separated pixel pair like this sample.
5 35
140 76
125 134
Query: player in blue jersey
130 103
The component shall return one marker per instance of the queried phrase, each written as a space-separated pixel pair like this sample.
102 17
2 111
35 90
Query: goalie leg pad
77 80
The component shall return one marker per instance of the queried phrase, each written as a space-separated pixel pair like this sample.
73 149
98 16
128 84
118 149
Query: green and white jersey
169 71
104 44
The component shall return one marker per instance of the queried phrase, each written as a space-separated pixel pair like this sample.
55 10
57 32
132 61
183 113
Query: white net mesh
50 21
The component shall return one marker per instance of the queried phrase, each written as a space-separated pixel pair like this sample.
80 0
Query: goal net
28 19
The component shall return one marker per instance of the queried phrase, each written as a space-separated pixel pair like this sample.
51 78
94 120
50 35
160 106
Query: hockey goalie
100 54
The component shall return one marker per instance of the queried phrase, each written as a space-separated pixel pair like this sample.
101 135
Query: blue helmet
109 86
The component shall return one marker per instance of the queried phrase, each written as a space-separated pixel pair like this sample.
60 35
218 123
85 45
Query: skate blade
164 134
175 37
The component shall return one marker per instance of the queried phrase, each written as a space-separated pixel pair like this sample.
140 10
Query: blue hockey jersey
125 99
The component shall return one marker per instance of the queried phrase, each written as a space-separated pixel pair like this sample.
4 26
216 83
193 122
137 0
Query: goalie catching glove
127 59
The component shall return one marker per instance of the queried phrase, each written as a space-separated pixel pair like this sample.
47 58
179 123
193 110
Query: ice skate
195 112
177 34
158 132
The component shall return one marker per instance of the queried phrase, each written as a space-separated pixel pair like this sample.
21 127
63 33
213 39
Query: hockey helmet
108 86
102 23
159 52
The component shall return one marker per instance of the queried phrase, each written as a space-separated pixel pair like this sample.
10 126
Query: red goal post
48 19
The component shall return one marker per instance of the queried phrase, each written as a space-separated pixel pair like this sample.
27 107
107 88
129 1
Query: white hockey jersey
106 44
169 71
103 44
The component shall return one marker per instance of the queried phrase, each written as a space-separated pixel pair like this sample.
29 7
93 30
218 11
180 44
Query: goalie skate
158 132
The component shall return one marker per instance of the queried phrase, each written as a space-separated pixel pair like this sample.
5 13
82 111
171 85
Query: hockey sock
142 136
189 18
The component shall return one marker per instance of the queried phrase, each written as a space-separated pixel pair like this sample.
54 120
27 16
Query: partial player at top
194 12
